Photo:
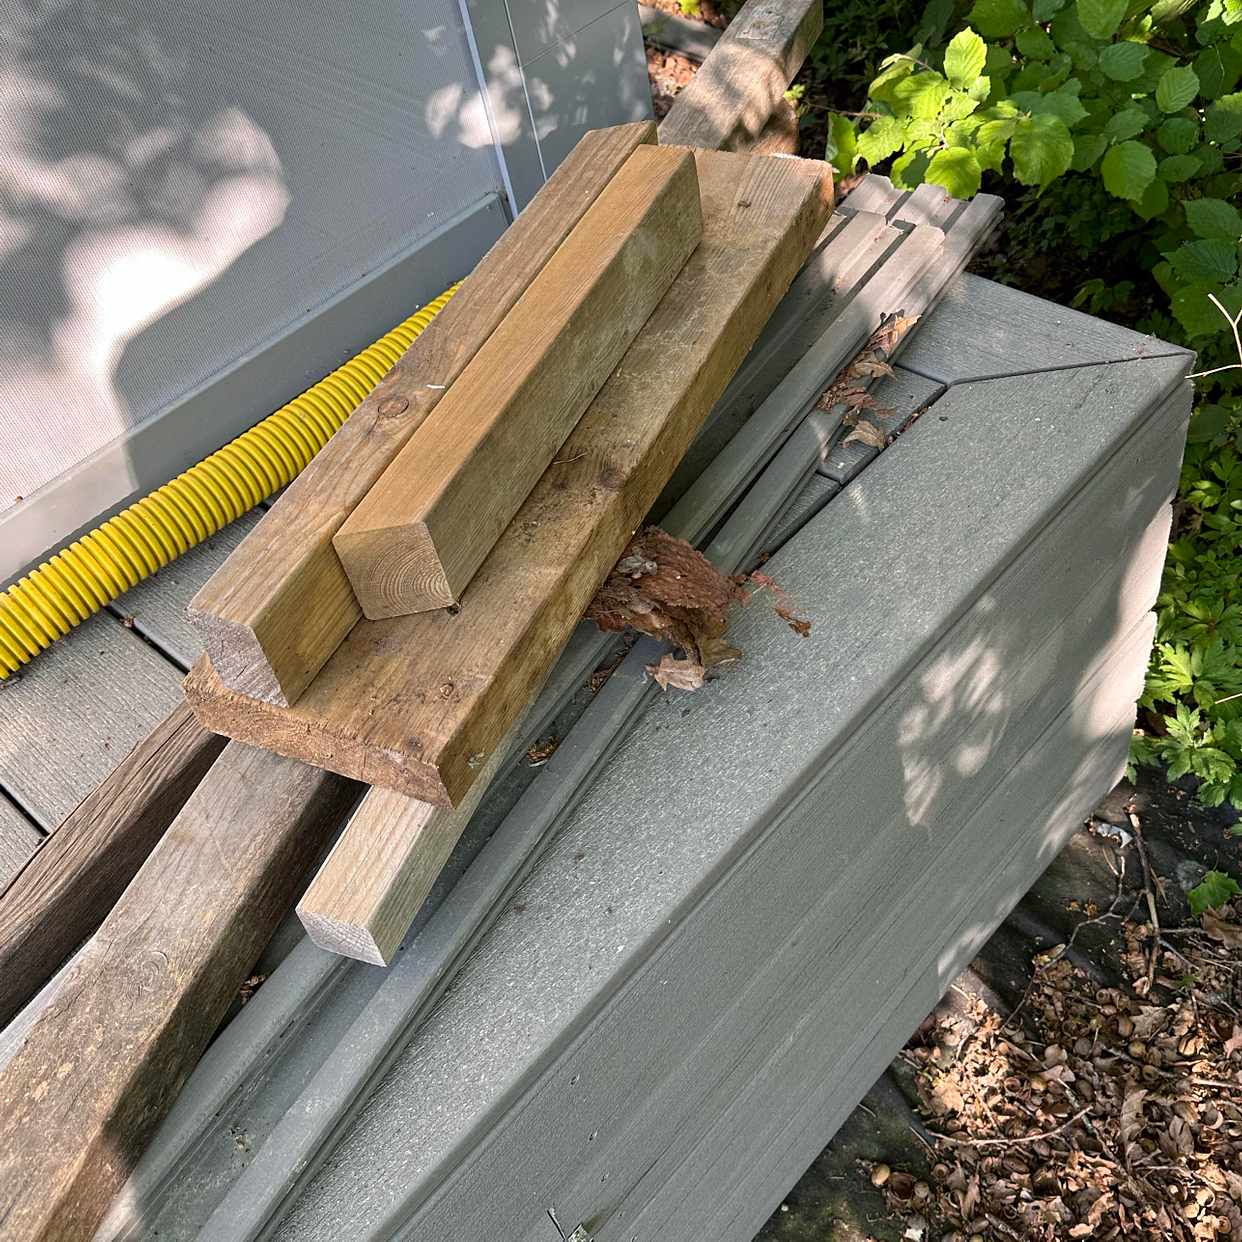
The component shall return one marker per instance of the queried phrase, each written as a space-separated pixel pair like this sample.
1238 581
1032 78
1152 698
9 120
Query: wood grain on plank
371 886
282 604
19 839
419 703
420 534
106 1058
743 81
70 717
64 892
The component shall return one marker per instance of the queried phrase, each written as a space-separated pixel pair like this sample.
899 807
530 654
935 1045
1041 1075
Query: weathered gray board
663 895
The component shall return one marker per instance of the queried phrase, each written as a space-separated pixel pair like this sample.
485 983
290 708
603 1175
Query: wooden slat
423 530
104 1060
62 895
418 703
287 567
743 80
74 714
19 839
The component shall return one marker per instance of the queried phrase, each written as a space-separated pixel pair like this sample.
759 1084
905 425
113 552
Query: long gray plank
1001 331
76 711
863 616
19 839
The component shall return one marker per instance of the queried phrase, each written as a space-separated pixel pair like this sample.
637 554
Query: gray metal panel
76 712
249 388
19 838
1001 331
538 101
184 184
645 842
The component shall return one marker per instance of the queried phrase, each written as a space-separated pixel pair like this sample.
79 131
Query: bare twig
1005 1142
1233 322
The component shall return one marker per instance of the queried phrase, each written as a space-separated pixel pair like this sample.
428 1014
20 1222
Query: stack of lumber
500 469
822 836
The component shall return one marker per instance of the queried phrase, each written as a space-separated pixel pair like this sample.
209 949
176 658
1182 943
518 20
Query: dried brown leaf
680 674
867 433
1221 931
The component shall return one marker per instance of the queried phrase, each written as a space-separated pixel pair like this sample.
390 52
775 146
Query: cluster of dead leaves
849 391
665 587
1105 1113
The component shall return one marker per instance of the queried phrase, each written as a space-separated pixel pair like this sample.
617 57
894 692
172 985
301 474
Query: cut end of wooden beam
345 939
239 659
395 570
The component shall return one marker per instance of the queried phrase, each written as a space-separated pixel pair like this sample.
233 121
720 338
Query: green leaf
841 149
1035 44
881 139
1178 135
1176 168
907 170
957 170
1208 261
1087 149
1046 10
1123 62
998 19
964 58
922 94
1100 18
1224 119
1154 201
1219 69
1125 124
1216 890
1128 169
1041 149
990 140
1060 103
1176 88
1213 217
1196 313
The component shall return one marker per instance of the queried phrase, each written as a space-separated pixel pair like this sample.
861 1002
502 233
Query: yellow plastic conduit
82 578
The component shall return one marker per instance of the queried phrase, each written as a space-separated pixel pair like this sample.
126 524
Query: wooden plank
62 895
286 567
104 1060
744 78
19 839
418 703
420 534
72 715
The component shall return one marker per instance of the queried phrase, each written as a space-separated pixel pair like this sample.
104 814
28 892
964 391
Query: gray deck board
157 606
19 839
76 711
598 905
999 331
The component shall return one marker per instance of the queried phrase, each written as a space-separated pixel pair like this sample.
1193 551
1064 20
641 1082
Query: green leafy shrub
1124 120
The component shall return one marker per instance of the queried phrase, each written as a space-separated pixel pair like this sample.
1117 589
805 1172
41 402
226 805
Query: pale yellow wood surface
423 530
420 703
281 604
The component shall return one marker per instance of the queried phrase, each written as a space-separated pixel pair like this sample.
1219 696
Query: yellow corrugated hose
82 578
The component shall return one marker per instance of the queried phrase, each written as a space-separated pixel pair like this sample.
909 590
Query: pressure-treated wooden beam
66 889
105 1059
419 703
420 534
281 604
742 82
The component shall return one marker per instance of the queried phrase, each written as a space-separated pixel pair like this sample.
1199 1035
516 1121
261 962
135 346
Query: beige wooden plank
19 839
744 78
105 1059
420 534
282 604
62 895
419 703
76 712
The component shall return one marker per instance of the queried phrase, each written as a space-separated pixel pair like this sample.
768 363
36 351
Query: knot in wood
390 407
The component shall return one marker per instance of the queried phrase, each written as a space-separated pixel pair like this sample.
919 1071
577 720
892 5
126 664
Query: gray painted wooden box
713 921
